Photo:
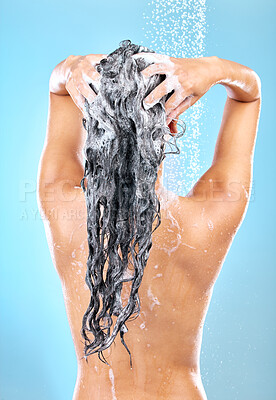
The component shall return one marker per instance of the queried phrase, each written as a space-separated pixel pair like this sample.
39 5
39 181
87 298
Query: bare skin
189 247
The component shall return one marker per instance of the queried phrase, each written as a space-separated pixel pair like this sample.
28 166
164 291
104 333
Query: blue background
37 354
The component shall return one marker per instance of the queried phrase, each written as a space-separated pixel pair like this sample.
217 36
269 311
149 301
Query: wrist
216 69
241 82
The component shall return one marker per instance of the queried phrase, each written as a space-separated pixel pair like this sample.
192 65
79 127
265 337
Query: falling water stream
178 28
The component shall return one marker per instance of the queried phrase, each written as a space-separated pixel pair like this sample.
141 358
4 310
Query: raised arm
231 168
62 159
230 174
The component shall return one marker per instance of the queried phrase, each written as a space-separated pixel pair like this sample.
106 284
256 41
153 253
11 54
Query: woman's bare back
188 248
187 253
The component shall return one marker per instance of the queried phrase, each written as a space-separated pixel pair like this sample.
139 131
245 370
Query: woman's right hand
72 77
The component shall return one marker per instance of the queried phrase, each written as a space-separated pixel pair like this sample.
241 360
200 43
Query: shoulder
204 223
204 232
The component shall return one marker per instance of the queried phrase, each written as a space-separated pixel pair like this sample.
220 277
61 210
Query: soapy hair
124 148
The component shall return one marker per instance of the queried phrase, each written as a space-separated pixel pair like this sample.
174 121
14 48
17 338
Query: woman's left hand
188 78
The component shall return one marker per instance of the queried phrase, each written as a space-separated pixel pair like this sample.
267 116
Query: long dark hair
125 146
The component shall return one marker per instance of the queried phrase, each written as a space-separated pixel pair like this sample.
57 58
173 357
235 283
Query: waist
148 383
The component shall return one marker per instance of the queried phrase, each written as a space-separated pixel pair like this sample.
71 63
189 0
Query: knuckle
70 58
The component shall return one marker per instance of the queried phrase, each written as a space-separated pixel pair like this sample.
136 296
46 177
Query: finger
86 91
174 101
95 58
154 69
161 90
152 57
92 76
187 103
76 96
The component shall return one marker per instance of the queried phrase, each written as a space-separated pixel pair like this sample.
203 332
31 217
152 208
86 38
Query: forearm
241 83
63 150
234 151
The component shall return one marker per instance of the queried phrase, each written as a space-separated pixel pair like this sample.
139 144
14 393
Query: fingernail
147 105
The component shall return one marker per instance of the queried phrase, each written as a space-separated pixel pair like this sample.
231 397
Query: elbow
257 85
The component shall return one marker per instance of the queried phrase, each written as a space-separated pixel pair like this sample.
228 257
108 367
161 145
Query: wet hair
124 148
